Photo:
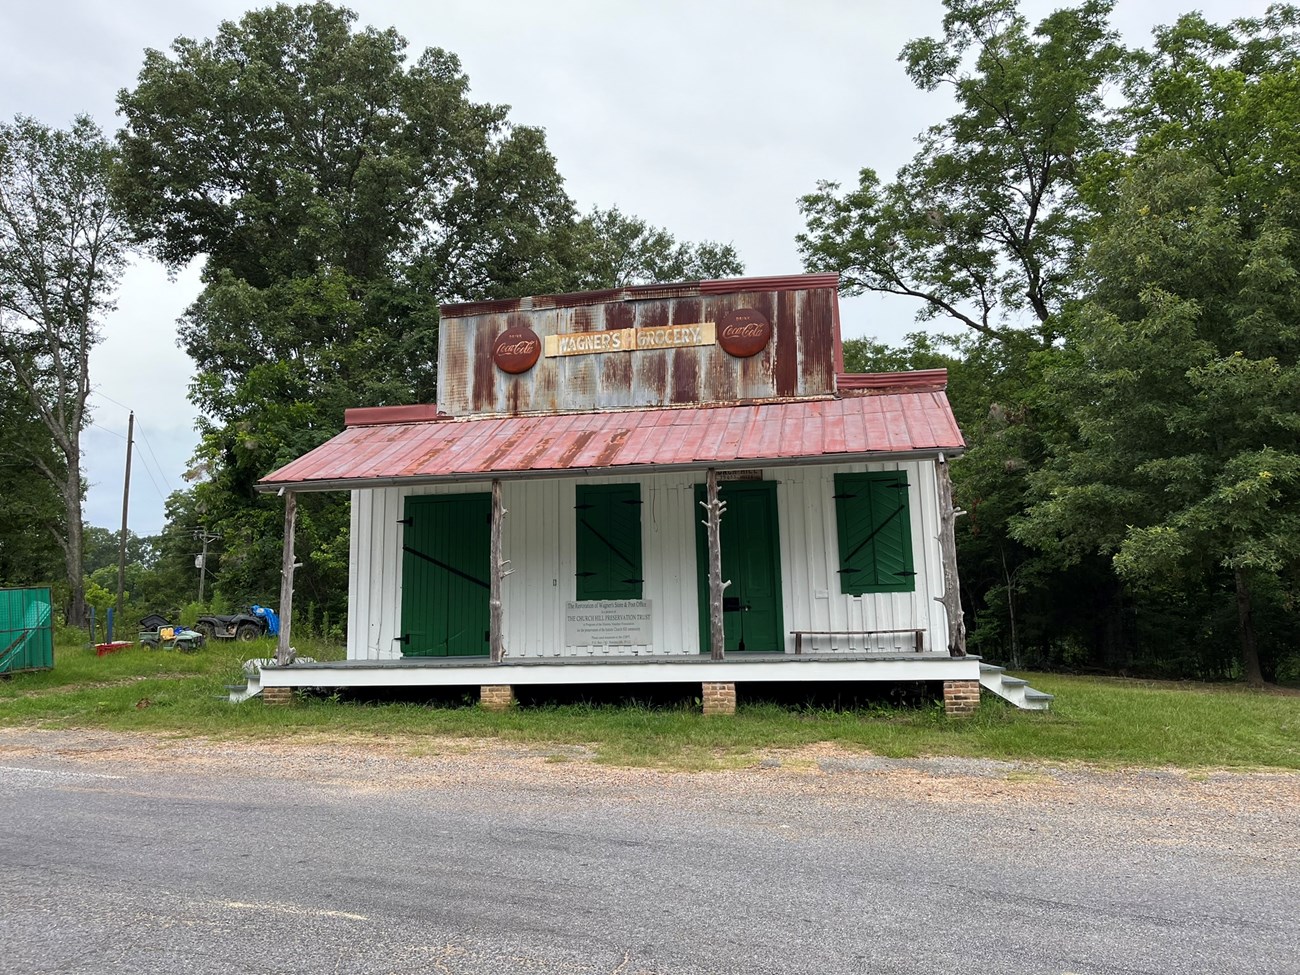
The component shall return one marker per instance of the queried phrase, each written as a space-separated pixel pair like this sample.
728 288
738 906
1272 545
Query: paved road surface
136 855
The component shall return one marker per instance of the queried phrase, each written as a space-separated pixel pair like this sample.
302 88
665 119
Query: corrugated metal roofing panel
855 426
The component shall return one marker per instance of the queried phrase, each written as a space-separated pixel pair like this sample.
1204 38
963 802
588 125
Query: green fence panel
26 630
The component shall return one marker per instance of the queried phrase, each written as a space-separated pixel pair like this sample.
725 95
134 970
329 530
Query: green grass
1102 721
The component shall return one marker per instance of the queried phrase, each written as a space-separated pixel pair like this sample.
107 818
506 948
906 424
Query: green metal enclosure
26 630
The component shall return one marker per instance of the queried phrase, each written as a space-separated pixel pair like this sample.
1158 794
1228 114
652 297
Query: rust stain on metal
611 449
620 315
686 311
653 376
574 448
653 314
484 384
786 366
615 379
818 347
686 377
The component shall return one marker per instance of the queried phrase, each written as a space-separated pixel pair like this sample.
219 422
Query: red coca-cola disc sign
744 332
516 349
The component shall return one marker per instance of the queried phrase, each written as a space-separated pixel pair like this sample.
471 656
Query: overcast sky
707 118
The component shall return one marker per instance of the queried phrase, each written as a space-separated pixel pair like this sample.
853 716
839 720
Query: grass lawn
1106 721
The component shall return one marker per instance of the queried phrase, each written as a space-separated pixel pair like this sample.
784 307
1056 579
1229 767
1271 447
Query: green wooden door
445 570
751 558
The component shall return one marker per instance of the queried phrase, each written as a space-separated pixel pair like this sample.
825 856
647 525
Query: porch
960 676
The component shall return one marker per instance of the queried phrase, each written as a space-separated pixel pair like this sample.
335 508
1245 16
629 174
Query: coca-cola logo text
516 350
744 332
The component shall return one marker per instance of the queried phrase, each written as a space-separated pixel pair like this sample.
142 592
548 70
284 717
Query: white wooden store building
545 521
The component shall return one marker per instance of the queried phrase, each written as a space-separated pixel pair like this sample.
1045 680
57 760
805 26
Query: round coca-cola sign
744 332
516 350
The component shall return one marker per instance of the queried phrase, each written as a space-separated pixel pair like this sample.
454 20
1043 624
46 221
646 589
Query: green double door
445 575
751 559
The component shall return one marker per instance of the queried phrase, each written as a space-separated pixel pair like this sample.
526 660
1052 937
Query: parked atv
258 622
157 634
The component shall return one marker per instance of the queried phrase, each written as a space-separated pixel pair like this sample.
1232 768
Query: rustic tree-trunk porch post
951 598
496 637
713 522
283 651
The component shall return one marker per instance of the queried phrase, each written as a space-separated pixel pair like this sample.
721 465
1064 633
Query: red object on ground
104 648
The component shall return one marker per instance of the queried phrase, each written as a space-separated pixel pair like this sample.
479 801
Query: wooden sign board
631 339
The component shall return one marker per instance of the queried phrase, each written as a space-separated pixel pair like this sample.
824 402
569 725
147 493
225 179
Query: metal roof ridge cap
634 292
370 416
908 380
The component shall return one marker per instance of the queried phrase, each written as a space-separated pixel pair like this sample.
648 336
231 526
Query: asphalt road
142 856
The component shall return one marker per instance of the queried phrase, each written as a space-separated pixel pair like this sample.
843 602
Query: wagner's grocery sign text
632 339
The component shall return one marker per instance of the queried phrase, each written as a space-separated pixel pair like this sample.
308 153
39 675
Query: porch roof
898 415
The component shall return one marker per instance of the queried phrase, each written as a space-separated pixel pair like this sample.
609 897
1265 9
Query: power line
157 465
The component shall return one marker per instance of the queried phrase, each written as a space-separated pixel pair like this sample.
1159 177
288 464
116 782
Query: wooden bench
918 634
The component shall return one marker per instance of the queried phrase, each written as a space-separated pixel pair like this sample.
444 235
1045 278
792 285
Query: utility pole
206 536
126 495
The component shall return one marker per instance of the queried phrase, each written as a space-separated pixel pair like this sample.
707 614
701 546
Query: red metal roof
854 427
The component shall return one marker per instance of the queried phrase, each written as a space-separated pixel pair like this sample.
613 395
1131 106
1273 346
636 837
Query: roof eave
416 480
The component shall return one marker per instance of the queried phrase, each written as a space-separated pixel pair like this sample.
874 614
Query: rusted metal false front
709 342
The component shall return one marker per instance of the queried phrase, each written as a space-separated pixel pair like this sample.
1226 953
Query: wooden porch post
951 598
714 508
496 637
283 652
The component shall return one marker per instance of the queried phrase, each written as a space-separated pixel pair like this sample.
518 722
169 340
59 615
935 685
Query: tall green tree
337 192
982 227
62 249
31 512
1183 370
613 249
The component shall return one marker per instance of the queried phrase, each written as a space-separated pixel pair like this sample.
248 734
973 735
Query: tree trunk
284 651
73 545
496 638
1246 628
951 598
714 506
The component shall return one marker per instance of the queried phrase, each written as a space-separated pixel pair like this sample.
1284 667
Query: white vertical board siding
810 562
539 542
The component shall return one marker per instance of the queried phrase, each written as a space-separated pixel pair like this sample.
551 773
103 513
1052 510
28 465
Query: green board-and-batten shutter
875 533
609 541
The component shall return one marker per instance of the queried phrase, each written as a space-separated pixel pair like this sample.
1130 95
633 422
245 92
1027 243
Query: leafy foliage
1131 481
338 191
984 224
62 249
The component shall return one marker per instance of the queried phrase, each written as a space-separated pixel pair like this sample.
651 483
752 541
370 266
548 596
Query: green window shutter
609 541
875 533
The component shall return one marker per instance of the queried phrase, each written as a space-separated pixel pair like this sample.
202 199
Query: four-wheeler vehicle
157 633
258 621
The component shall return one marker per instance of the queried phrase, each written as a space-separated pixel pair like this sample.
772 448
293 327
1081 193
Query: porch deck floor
750 666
